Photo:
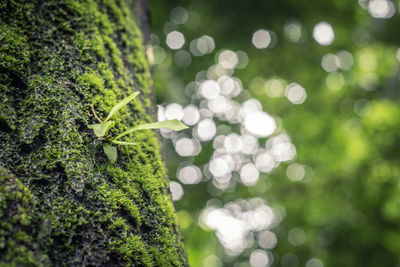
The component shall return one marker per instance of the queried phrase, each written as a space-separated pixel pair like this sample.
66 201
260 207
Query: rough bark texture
61 201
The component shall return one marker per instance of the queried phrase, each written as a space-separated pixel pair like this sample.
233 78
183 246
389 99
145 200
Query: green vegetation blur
293 157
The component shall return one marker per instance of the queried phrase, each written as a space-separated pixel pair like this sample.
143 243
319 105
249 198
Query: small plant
101 129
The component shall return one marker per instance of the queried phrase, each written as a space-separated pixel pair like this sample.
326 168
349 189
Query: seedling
102 128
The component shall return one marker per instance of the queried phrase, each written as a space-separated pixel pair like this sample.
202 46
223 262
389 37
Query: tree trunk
61 201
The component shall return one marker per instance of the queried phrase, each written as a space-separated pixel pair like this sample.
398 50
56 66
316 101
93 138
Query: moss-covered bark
61 201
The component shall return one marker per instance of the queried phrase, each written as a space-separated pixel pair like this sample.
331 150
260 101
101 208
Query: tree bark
61 201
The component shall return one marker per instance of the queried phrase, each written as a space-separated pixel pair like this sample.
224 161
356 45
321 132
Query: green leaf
174 124
123 143
101 130
120 105
111 152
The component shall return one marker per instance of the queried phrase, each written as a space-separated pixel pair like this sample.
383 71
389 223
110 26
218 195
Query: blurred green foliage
346 132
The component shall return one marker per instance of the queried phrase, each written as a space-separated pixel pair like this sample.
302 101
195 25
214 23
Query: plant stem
95 115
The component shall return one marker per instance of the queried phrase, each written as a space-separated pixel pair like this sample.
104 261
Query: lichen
64 204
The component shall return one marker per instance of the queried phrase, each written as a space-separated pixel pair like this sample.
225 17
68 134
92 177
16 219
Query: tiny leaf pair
101 129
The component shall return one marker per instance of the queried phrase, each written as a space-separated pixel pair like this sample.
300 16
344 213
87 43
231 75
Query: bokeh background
292 156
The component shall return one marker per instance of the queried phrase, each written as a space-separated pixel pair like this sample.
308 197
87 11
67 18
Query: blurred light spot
230 230
274 87
256 83
182 59
210 43
167 133
264 162
160 113
219 142
261 39
226 84
249 174
233 143
279 213
191 90
228 59
398 54
212 261
175 40
205 113
154 39
205 130
189 174
173 111
260 124
191 115
323 33
267 239
198 47
362 107
201 46
216 71
330 62
251 106
367 61
250 144
158 55
308 174
290 260
218 104
295 172
314 262
293 31
363 3
243 60
235 222
186 147
221 158
150 54
222 182
201 75
179 15
296 93
209 89
169 27
346 60
260 218
203 104
219 167
232 114
238 160
194 20
259 258
296 236
176 191
335 81
281 148
229 86
382 9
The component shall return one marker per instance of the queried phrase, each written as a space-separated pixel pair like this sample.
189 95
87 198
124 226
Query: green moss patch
69 206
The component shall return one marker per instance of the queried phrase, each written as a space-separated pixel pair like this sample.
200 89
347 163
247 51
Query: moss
134 250
17 242
69 206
